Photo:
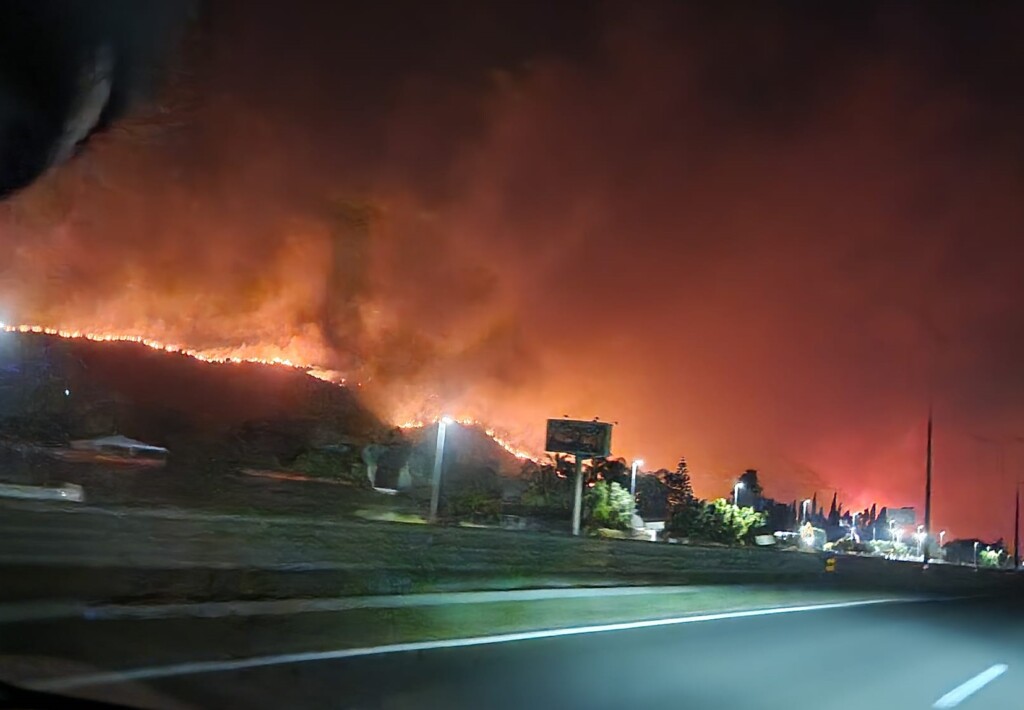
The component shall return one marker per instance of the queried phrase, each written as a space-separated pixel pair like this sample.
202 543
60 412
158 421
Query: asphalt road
904 655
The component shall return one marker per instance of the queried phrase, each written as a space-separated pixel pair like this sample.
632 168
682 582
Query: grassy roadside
120 644
464 620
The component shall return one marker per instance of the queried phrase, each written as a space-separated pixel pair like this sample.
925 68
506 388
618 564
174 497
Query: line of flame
519 453
204 356
325 375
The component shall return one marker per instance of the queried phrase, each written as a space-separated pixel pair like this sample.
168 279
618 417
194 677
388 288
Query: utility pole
928 488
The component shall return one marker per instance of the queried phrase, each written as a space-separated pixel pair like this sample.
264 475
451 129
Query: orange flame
222 356
520 453
228 356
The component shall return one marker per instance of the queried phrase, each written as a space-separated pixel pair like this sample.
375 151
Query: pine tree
680 488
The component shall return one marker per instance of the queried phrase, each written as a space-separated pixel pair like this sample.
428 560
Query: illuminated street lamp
942 534
803 507
435 491
637 463
975 554
736 493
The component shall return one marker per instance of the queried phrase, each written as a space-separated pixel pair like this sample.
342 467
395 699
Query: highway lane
886 656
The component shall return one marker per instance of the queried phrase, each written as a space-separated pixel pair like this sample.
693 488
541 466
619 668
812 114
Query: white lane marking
179 669
960 693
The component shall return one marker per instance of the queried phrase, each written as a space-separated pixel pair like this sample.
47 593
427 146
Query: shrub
609 506
479 505
325 463
717 521
990 558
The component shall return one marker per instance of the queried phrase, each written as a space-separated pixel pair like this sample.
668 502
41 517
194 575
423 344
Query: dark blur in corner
69 68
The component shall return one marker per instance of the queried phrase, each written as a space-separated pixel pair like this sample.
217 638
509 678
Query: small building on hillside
118 447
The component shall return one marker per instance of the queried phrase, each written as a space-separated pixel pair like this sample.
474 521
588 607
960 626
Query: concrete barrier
67 491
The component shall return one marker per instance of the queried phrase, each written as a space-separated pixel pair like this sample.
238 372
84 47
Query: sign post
584 440
435 481
577 500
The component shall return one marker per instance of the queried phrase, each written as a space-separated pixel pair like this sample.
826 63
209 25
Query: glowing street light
435 491
942 534
736 493
803 506
975 554
637 463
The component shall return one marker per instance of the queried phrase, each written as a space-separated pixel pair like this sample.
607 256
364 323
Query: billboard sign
588 439
902 517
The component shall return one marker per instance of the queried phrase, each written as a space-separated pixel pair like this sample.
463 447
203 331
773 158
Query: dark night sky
757 234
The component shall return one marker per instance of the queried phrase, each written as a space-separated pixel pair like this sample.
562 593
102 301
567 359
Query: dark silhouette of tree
652 495
548 484
750 483
833 511
680 488
882 524
610 470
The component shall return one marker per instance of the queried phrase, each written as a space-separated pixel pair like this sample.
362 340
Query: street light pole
435 490
1016 531
927 491
803 507
975 554
736 493
637 463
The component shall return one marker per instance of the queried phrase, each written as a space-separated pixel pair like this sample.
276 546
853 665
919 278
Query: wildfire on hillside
519 452
246 355
511 234
223 355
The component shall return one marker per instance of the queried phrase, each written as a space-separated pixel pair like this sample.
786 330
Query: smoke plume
759 238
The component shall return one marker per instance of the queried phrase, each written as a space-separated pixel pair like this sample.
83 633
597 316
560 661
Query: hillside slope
54 390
